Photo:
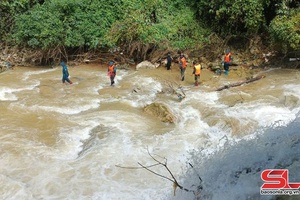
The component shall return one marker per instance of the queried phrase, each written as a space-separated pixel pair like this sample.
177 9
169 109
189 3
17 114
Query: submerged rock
291 101
161 111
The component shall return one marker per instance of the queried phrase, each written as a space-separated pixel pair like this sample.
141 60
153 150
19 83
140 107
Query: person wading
227 61
197 71
182 65
169 61
65 73
112 71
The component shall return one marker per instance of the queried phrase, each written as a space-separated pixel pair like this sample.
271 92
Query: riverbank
208 80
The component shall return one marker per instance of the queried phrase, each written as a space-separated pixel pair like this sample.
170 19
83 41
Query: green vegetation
285 31
144 25
71 23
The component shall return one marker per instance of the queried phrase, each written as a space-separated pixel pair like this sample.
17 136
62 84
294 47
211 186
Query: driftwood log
241 83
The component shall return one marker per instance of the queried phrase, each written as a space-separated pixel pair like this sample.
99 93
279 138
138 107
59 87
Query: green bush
285 31
162 23
9 9
166 24
71 23
232 16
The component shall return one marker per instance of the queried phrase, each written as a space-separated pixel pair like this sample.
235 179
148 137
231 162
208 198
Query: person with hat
112 71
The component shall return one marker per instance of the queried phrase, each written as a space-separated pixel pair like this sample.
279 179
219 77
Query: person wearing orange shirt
112 71
182 65
227 61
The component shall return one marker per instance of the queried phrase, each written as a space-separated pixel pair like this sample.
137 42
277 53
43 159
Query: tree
72 24
9 9
232 16
141 27
150 25
285 31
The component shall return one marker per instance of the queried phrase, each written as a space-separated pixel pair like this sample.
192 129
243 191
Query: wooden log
241 83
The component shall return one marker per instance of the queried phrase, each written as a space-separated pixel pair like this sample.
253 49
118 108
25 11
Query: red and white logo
277 183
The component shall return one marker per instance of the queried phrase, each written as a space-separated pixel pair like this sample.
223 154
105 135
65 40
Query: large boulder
160 111
146 65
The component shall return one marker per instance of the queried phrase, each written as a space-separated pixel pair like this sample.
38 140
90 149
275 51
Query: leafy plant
285 31
71 23
145 24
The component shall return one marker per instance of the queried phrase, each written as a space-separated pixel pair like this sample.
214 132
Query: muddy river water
66 141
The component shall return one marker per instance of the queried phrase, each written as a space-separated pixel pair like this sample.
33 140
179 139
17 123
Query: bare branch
181 95
137 167
155 172
172 179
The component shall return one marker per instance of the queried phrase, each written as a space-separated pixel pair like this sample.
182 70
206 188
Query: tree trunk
241 83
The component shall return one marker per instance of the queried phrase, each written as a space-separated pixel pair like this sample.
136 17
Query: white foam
28 74
120 76
70 142
8 94
263 114
145 94
292 89
209 98
13 188
71 108
234 171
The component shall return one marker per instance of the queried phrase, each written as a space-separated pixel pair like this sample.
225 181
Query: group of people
197 67
112 72
182 66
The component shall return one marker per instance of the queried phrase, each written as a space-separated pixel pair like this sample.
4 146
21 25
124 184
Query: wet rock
215 68
160 111
146 65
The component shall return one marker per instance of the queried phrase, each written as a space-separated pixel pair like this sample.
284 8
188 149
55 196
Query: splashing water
64 141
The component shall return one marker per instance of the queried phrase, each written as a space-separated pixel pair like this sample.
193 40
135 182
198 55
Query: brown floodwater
61 141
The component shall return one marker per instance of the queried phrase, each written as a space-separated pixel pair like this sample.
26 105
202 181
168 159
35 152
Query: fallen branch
171 178
179 91
241 83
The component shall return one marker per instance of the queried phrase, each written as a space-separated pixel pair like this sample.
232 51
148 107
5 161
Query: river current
86 140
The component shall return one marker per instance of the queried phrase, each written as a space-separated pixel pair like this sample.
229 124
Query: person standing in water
169 61
65 73
182 65
112 71
197 71
227 61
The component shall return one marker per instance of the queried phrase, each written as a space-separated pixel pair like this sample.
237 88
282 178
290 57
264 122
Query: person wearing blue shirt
65 73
